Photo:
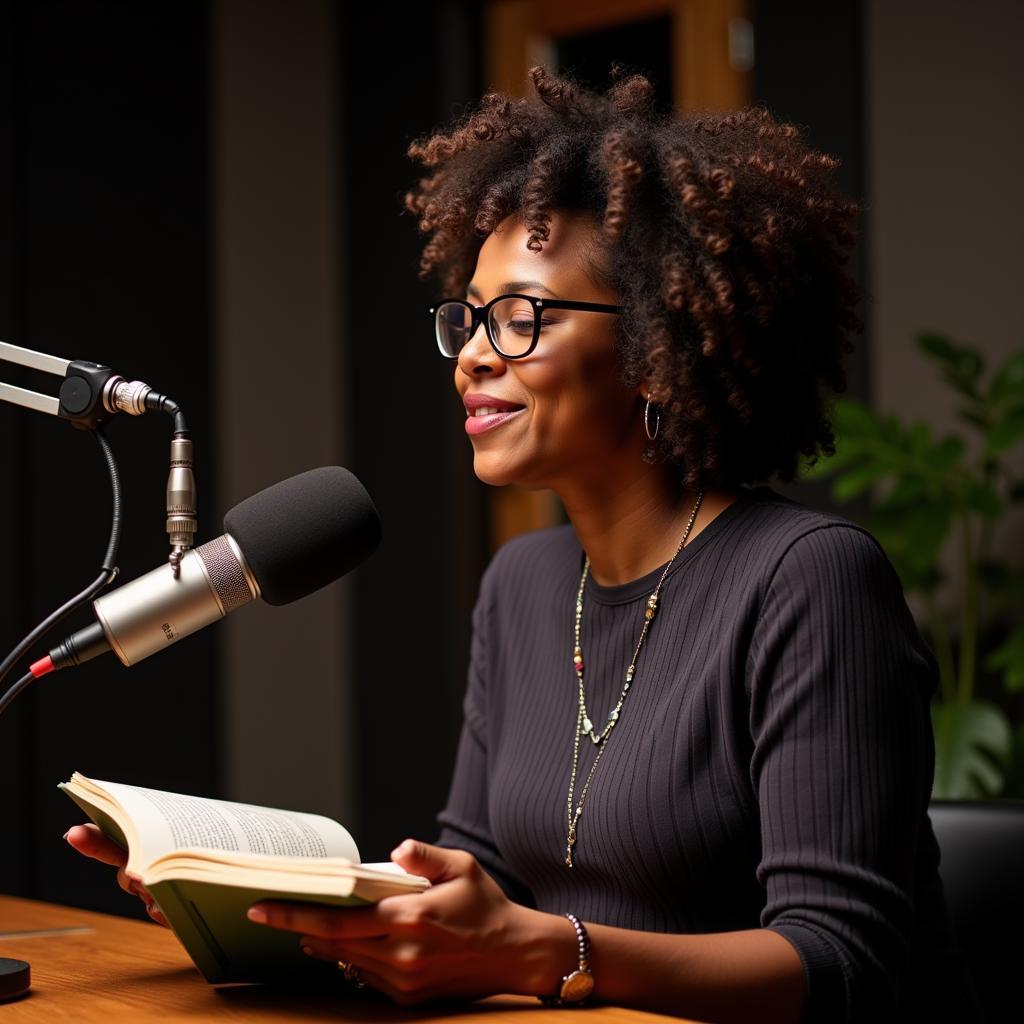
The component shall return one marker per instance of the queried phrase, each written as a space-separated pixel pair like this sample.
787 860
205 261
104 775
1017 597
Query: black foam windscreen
305 532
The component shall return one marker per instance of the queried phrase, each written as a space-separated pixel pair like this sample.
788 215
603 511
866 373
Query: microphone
281 544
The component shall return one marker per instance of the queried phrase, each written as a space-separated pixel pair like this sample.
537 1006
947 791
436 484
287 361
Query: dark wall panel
16 724
810 70
414 597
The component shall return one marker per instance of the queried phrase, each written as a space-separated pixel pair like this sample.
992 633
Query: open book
205 862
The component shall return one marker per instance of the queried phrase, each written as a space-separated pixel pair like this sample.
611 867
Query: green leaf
946 455
919 439
913 536
1008 381
1010 657
981 498
853 421
939 347
891 431
961 365
976 419
855 481
1015 777
817 470
972 749
908 491
1008 429
828 464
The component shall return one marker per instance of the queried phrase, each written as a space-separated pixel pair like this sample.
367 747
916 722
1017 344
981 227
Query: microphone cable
109 571
13 692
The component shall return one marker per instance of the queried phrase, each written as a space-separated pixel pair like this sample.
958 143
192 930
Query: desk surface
119 969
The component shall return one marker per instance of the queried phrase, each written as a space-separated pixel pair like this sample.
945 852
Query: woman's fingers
399 972
324 922
155 914
371 972
126 883
132 883
376 953
90 841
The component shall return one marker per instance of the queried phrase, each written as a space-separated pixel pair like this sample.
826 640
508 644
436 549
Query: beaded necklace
584 726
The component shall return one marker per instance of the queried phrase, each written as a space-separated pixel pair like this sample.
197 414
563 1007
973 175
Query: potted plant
926 492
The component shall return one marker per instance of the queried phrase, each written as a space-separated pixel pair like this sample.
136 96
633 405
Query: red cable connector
41 667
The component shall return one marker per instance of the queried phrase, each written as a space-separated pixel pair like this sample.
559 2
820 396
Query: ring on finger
351 973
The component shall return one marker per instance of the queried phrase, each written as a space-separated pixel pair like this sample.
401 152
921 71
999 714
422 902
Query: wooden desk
125 970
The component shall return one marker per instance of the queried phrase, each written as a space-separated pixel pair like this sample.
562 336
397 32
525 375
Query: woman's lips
481 424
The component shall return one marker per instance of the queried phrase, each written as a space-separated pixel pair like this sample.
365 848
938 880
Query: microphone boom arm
34 361
89 395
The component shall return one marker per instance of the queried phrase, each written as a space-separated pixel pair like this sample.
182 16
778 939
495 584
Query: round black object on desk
15 978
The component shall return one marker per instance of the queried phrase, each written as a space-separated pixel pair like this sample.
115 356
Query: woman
696 756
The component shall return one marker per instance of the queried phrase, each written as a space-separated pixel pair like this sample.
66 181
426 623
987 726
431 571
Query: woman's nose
478 357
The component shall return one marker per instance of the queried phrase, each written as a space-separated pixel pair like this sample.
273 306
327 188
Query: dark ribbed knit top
771 766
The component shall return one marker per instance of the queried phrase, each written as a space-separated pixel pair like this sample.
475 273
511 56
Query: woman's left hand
463 938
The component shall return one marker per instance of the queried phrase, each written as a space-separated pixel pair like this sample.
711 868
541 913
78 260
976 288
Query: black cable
161 403
108 573
116 521
13 692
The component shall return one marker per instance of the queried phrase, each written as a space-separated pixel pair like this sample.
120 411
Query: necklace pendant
584 726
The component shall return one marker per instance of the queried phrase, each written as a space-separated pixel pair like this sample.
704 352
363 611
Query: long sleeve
840 683
465 820
773 766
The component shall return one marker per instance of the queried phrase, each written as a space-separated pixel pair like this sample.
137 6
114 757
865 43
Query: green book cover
225 945
209 917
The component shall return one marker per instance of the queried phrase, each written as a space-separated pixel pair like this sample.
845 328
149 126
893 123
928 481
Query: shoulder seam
814 529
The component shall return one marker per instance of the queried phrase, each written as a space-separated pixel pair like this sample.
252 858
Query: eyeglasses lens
512 325
454 325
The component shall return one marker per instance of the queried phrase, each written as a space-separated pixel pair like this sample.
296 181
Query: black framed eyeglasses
512 322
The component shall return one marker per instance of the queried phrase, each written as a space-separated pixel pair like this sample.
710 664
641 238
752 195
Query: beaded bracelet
578 984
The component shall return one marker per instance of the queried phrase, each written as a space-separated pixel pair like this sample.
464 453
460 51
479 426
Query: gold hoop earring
647 419
650 453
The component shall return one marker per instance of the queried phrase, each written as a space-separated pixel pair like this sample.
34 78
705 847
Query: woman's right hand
90 841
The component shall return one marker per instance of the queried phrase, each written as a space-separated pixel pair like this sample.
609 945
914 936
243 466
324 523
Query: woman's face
574 414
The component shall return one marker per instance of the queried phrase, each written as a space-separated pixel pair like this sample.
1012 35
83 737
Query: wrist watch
579 984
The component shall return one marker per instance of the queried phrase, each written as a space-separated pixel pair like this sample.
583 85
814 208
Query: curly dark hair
723 237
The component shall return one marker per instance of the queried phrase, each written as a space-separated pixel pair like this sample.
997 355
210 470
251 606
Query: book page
389 867
173 821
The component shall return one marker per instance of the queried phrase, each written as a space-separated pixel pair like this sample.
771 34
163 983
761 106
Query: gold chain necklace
584 726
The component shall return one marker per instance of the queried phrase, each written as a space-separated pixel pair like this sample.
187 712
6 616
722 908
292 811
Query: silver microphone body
156 610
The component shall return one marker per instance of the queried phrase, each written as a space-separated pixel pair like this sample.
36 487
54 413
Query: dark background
105 235
103 256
